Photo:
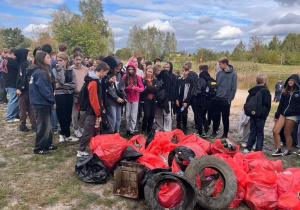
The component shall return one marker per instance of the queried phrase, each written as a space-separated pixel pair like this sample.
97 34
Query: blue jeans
256 133
54 120
12 106
114 117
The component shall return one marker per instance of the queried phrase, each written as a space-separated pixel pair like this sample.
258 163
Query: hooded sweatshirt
266 97
289 104
202 100
132 91
22 80
164 77
80 73
10 78
173 80
227 84
65 78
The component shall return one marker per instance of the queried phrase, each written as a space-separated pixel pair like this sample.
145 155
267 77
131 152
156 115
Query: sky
214 24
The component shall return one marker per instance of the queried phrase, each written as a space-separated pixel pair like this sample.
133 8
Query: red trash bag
288 200
170 194
287 179
260 196
173 136
261 175
239 197
194 138
137 142
175 167
151 161
218 147
266 164
160 146
109 148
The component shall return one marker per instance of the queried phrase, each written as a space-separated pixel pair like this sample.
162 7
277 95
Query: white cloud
228 32
117 31
205 19
164 26
232 42
201 32
42 3
29 29
279 30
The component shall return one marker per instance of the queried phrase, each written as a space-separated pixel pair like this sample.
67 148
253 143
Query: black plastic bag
181 154
150 137
91 169
150 173
105 126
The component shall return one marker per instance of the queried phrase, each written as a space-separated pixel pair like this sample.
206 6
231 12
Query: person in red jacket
133 86
95 105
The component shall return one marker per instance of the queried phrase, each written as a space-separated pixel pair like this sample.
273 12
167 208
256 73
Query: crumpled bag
218 147
170 194
290 200
91 169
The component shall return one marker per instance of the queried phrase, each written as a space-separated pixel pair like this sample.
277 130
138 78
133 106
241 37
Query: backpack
83 100
210 88
254 105
3 65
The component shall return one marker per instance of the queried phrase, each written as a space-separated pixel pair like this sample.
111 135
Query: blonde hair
156 67
145 74
261 79
63 56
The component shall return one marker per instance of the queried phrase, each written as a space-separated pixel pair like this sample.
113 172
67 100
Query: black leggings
149 108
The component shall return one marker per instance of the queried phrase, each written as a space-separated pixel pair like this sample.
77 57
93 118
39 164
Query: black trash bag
181 153
129 154
150 137
91 169
149 173
105 126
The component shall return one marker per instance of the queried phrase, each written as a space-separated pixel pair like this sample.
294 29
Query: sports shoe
55 132
277 152
297 153
61 138
246 151
82 153
213 135
52 147
71 138
42 152
12 121
23 128
224 136
77 133
286 153
244 144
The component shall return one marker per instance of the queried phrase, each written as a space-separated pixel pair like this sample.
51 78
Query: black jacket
187 83
289 104
173 80
164 77
149 89
201 100
266 97
10 78
22 79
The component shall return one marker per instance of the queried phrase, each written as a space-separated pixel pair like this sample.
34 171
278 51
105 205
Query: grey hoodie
227 84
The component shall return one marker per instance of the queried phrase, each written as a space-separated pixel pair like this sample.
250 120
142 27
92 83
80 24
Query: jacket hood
131 64
171 67
295 77
255 89
205 75
93 75
21 55
231 69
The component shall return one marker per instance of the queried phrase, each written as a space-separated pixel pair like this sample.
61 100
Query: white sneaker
61 138
244 144
71 138
82 153
246 151
55 132
77 133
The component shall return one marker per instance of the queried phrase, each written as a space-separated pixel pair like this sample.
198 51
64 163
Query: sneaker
71 138
297 153
12 121
244 145
224 136
82 153
42 152
61 138
277 152
52 147
246 151
77 133
55 132
23 128
286 153
213 135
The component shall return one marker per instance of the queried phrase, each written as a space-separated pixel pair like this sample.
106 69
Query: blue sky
214 24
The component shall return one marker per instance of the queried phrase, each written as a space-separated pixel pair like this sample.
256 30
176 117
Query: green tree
12 37
26 43
2 43
255 46
274 44
123 53
238 53
208 55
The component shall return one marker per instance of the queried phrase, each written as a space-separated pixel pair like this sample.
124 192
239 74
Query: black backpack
83 100
254 105
210 88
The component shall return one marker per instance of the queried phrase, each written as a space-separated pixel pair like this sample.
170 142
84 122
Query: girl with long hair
42 99
133 86
148 99
65 81
287 114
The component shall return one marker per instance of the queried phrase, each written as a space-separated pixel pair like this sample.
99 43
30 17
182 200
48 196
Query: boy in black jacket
183 97
257 123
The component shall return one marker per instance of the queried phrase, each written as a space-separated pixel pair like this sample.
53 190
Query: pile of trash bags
261 183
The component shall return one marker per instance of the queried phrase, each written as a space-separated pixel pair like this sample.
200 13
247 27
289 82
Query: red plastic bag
170 194
288 200
193 138
151 161
261 175
218 147
174 136
109 148
239 197
266 164
261 196
287 179
138 142
160 146
175 167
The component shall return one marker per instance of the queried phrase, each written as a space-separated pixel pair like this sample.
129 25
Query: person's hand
54 106
184 105
18 92
130 59
103 111
57 85
112 79
120 100
99 119
177 103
